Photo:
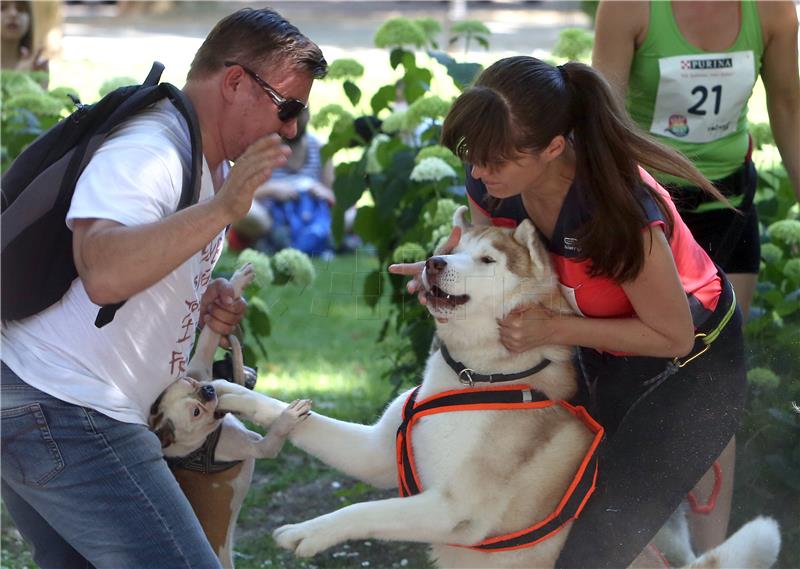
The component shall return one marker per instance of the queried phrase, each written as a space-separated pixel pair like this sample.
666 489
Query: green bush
27 111
402 179
768 455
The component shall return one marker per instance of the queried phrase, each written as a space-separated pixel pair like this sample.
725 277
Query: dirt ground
299 501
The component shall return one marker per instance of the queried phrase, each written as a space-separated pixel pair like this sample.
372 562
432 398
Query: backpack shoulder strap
190 190
154 76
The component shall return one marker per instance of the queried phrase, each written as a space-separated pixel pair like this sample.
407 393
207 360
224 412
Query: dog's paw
303 539
243 277
297 412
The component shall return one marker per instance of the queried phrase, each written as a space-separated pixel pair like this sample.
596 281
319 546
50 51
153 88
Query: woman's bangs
478 130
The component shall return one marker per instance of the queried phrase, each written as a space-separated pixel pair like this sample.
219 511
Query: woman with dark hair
659 334
16 22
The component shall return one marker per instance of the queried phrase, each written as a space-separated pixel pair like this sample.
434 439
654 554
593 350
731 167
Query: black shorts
662 436
731 239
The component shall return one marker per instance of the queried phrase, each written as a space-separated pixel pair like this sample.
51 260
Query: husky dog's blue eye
487 260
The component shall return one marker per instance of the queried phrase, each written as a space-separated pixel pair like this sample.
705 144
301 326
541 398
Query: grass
323 347
323 342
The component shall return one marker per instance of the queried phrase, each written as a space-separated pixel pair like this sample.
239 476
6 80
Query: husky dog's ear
525 234
460 218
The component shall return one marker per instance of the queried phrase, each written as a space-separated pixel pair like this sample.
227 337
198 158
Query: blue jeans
86 490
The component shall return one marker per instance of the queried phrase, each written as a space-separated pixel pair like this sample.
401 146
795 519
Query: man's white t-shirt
135 178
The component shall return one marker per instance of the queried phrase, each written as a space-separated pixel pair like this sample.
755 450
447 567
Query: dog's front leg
426 517
202 361
254 406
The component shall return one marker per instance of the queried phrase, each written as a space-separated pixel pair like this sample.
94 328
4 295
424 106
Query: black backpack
37 189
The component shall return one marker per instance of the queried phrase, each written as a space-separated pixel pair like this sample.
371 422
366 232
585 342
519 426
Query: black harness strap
511 398
202 459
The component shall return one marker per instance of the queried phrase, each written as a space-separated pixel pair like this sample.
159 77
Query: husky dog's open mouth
438 298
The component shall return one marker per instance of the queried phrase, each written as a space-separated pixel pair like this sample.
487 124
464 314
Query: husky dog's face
185 412
491 271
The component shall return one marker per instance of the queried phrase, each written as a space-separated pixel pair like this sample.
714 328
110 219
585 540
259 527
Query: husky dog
475 477
211 452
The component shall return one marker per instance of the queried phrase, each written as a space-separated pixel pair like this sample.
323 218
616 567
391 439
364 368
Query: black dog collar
469 376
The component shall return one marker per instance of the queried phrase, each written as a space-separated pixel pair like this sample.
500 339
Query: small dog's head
185 413
492 271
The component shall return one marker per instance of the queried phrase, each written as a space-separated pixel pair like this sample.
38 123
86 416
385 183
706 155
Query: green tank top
694 100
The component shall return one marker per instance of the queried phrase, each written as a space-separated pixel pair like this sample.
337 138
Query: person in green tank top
686 71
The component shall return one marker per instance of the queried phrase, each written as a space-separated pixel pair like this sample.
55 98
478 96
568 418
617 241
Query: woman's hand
527 327
414 270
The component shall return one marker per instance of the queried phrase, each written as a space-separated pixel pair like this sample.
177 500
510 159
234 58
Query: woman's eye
487 260
196 412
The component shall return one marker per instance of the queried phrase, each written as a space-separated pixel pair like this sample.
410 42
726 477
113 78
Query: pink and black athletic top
602 297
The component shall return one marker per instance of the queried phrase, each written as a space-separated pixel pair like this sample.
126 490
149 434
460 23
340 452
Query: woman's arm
782 83
619 28
663 326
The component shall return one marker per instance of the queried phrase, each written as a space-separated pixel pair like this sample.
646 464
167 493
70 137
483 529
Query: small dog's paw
303 539
243 277
297 412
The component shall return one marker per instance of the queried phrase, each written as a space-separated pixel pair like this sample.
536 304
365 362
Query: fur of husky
483 473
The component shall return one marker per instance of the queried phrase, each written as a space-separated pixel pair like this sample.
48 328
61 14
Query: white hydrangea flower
432 170
293 265
394 122
261 265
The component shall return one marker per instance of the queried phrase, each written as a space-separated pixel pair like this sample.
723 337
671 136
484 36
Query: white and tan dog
483 473
210 451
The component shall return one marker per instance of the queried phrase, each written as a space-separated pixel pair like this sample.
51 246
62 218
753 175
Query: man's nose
288 130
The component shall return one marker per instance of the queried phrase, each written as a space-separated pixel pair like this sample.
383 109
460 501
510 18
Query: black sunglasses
288 109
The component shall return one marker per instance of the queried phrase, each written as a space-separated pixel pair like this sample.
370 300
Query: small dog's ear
525 234
166 433
460 218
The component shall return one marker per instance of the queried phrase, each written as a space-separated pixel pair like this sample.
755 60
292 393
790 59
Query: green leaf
417 82
373 288
258 316
352 91
464 74
349 183
383 98
337 223
366 224
483 41
396 56
441 57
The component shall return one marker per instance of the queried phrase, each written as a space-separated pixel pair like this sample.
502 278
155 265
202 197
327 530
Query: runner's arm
779 72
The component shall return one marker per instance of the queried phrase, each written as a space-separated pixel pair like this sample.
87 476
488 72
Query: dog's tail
754 546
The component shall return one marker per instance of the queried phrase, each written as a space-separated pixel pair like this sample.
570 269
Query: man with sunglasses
83 477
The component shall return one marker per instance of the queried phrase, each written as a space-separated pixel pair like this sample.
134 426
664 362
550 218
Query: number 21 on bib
701 97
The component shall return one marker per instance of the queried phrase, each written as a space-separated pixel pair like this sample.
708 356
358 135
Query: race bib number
700 97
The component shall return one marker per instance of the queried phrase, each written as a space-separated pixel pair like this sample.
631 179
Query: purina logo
719 63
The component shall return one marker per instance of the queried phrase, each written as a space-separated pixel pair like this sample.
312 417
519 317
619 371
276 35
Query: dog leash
469 376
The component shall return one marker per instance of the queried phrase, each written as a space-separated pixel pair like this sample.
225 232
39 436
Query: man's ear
525 234
232 78
460 218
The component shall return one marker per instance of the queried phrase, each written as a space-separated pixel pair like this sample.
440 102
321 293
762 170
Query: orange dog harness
501 398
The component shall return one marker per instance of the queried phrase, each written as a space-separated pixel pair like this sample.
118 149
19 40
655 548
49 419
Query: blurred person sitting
292 209
16 29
